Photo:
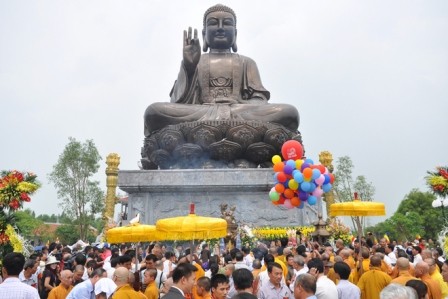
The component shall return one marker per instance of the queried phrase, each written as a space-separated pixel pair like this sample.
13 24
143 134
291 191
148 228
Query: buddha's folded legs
160 115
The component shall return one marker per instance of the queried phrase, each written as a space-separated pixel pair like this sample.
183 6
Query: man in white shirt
390 258
346 289
416 250
11 287
169 264
326 289
248 258
299 268
28 274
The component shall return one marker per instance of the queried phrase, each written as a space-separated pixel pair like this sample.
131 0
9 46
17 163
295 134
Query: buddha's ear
205 45
234 46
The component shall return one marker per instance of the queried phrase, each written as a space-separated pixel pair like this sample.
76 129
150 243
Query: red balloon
281 177
292 150
331 178
321 168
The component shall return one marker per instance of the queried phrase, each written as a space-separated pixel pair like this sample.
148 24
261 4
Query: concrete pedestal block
157 194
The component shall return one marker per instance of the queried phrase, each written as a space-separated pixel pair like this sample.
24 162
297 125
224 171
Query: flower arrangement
438 181
16 188
339 230
273 233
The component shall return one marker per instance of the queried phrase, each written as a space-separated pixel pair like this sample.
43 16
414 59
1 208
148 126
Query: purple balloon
303 196
288 169
304 165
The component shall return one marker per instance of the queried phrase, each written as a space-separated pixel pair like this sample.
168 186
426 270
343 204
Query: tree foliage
345 187
414 216
72 177
27 223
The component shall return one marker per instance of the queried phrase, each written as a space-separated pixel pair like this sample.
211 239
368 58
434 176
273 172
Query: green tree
345 187
27 223
414 216
67 234
72 177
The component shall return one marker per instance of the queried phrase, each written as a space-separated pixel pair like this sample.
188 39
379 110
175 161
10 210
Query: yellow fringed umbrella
191 227
131 234
357 208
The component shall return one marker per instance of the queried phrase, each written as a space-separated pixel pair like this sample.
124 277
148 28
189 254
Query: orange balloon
276 203
278 167
279 188
307 173
295 201
288 193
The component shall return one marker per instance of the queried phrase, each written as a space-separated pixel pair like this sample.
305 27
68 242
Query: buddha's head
219 31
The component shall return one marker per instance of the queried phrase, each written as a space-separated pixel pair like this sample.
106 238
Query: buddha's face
220 31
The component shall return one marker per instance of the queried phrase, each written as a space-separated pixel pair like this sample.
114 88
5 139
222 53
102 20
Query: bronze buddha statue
219 85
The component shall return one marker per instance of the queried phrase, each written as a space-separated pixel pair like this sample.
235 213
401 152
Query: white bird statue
135 220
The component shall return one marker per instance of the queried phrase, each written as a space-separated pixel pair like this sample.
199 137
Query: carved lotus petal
276 137
169 139
260 152
244 135
161 157
204 135
225 150
187 151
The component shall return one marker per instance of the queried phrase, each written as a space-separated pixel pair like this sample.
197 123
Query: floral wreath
437 181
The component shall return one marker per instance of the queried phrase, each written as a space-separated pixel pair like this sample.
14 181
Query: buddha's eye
228 22
212 22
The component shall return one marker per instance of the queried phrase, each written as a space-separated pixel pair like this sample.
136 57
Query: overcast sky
369 78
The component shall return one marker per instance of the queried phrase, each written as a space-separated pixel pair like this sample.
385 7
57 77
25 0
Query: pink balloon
318 192
320 180
288 204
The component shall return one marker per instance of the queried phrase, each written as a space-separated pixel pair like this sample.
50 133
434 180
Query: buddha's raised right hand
192 51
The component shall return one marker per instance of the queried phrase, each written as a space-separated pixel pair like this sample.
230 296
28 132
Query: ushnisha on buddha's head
219 32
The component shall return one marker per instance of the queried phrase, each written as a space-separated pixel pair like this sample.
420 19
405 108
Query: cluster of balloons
298 180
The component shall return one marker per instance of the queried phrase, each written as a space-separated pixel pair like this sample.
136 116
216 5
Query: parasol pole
192 240
137 272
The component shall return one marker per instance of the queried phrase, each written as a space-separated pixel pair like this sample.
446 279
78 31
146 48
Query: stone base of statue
157 194
215 144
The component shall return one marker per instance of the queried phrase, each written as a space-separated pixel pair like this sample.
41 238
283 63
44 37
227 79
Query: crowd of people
269 271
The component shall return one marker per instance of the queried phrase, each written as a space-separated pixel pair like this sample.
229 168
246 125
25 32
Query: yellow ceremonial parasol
131 234
357 208
191 227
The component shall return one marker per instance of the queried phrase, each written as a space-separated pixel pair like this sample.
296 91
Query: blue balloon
298 176
313 187
305 186
312 200
291 163
309 161
326 187
327 179
302 204
275 177
316 174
